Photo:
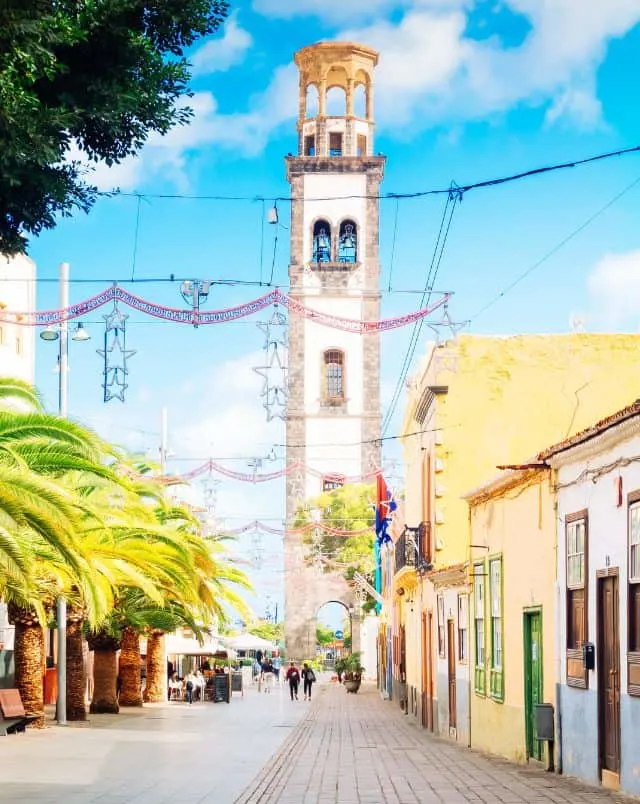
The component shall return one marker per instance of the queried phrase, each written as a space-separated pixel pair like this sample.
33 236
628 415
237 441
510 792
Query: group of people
267 670
190 688
294 675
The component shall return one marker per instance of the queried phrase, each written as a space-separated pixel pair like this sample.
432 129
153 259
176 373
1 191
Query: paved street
342 749
357 749
163 753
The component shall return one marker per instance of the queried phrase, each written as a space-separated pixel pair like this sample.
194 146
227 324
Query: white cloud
219 54
431 69
340 10
168 155
431 73
614 285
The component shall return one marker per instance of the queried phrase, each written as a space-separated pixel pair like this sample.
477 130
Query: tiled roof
591 432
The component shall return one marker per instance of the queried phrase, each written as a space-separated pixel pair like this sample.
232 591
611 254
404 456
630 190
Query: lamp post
61 334
195 293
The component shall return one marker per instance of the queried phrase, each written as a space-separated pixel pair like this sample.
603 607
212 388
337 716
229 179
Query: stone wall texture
307 587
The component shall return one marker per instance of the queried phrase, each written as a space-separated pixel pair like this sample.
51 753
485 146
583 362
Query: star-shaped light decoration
115 355
274 393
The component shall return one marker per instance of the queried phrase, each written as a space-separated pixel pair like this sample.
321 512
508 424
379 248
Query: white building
17 352
598 601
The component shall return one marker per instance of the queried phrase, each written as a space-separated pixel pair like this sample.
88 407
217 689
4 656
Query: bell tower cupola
336 99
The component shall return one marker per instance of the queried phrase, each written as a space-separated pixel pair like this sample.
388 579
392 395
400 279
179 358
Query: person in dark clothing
308 677
293 677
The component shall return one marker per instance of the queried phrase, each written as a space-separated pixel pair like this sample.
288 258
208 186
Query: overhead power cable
463 188
553 251
441 241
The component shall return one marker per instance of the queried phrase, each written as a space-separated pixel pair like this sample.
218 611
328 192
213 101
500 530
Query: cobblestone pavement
174 753
358 749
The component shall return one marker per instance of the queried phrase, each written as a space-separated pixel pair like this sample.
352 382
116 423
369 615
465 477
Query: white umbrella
248 642
178 645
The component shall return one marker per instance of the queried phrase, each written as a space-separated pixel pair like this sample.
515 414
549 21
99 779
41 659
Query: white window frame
479 615
634 542
575 554
495 591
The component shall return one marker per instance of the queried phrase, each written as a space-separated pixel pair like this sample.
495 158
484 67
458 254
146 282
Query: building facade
333 413
512 615
597 475
476 403
17 357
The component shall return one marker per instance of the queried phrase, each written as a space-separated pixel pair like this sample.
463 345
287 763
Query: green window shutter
496 624
480 628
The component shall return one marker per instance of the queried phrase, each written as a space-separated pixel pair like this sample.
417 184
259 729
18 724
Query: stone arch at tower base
308 589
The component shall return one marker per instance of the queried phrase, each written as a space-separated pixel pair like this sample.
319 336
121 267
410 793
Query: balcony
413 548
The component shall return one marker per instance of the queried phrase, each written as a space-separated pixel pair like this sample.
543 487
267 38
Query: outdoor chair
14 718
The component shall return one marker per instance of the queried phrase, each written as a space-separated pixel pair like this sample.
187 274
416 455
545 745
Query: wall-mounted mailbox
544 722
589 655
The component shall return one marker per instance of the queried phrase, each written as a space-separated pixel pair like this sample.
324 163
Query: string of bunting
257 525
254 477
201 317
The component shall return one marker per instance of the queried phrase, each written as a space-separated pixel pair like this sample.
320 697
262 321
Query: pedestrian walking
276 670
267 675
293 677
190 683
308 677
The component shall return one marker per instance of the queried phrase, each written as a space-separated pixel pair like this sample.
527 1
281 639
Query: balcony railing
413 548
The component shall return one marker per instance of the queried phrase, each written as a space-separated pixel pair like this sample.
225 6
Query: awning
178 645
248 642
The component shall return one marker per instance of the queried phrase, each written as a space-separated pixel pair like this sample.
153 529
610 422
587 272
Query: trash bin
544 722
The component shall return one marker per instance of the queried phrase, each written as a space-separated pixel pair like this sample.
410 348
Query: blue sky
464 91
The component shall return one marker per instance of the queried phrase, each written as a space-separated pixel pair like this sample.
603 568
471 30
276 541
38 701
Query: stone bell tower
333 414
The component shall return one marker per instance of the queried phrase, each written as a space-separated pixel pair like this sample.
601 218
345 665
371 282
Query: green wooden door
532 678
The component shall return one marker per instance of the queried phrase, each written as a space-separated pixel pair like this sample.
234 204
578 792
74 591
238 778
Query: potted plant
353 671
339 668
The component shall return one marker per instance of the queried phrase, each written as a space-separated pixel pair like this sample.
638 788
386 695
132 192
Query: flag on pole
385 505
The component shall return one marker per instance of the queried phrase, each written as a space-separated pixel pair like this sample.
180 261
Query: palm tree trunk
155 690
28 654
76 680
130 693
105 674
105 678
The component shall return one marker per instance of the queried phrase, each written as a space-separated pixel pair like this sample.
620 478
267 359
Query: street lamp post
62 336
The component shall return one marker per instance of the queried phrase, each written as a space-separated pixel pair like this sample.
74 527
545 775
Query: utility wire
555 249
436 259
464 188
135 240
393 244
262 240
273 257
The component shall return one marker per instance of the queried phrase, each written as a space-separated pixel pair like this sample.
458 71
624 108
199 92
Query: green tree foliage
349 508
274 632
99 74
324 634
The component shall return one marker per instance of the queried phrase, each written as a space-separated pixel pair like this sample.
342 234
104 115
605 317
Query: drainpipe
471 620
558 660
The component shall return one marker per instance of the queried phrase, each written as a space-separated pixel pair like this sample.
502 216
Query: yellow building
477 402
512 629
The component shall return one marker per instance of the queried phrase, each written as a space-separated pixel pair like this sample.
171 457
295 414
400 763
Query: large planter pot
351 685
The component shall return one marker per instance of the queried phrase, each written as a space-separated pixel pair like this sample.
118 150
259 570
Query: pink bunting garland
257 525
246 477
201 317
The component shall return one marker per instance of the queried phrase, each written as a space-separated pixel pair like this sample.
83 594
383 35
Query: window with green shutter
479 628
496 674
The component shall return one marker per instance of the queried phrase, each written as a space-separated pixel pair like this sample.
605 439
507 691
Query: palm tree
39 522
